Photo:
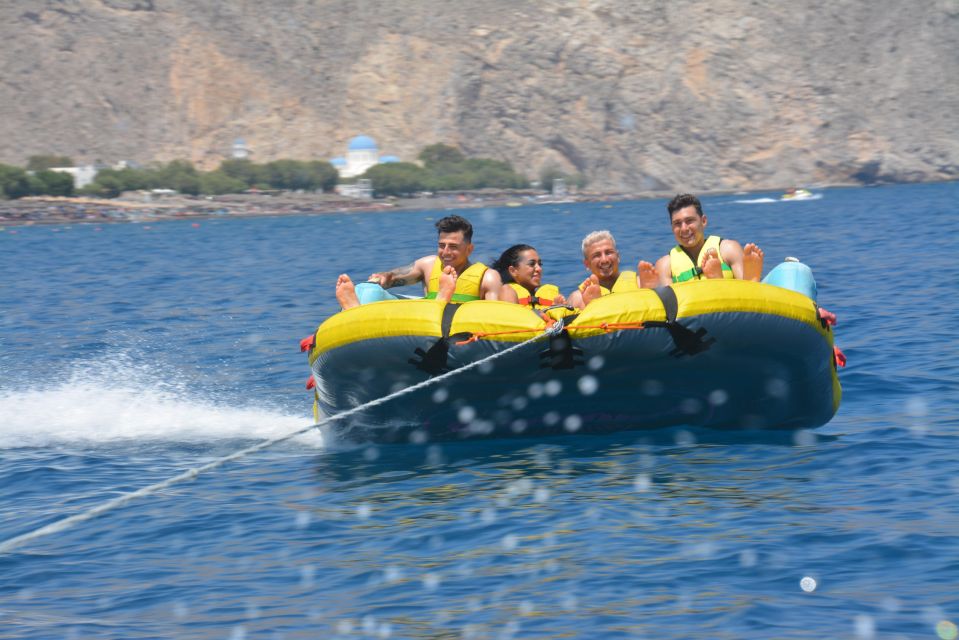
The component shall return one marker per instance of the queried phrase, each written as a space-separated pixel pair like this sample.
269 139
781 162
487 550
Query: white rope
66 523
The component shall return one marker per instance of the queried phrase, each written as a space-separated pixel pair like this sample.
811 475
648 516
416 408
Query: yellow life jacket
467 283
542 298
626 281
683 269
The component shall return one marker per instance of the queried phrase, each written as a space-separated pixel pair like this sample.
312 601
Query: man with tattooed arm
448 275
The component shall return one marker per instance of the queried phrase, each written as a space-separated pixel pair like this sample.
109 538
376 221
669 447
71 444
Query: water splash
117 399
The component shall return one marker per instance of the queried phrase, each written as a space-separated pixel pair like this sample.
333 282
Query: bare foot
345 292
648 279
752 262
592 290
447 284
712 267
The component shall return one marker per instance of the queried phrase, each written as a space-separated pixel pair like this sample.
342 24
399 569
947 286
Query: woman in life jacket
521 269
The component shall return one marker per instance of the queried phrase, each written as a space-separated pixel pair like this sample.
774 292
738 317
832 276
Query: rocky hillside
636 95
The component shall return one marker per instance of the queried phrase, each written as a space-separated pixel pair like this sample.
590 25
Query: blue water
131 353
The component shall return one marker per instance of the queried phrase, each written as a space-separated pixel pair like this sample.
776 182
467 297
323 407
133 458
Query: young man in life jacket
447 275
601 259
697 256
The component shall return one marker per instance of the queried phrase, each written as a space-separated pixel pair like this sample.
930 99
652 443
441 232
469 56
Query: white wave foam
757 201
111 402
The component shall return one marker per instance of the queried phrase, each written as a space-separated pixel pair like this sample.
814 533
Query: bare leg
345 292
447 284
648 278
592 290
752 262
712 267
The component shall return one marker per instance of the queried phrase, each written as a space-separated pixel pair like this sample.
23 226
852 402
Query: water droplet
551 418
777 388
466 414
431 581
946 630
642 483
535 390
718 398
541 495
808 584
440 395
509 542
805 438
596 363
748 558
518 426
303 519
587 385
363 511
865 627
572 423
553 388
519 404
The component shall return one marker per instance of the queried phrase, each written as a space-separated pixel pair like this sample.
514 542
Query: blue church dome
338 162
389 159
362 143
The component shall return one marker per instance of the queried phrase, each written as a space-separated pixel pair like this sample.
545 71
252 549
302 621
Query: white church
361 154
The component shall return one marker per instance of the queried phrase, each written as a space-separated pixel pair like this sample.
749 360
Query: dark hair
682 201
509 258
449 224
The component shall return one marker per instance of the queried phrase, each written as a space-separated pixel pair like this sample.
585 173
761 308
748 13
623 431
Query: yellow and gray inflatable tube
714 353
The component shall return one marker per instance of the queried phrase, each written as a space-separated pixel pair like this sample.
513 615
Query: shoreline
146 207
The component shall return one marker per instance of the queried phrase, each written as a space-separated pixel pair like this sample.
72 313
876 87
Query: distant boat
797 194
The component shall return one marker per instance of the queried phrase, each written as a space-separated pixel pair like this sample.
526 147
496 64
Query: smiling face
453 250
528 270
602 259
689 229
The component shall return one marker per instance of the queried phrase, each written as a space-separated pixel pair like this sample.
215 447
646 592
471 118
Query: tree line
442 168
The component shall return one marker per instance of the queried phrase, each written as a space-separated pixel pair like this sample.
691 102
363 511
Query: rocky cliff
670 95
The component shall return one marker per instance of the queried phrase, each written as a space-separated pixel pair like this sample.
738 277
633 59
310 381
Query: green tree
14 182
441 158
218 182
244 170
396 178
48 161
53 183
326 175
179 175
106 185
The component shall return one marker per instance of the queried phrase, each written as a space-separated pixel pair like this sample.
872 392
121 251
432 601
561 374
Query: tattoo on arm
403 276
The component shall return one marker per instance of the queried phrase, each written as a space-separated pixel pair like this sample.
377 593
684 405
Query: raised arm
490 285
732 253
402 276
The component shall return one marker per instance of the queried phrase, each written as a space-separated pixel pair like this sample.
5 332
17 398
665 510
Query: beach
137 207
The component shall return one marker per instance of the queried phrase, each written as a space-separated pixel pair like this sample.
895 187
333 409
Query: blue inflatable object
795 276
368 292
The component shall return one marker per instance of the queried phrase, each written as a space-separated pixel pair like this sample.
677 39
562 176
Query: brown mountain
636 95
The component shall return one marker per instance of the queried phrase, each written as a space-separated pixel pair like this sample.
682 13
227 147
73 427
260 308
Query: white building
361 154
82 176
240 150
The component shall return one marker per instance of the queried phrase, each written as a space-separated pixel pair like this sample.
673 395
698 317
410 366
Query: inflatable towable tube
716 353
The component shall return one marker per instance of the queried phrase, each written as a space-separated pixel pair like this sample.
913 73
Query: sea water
131 354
